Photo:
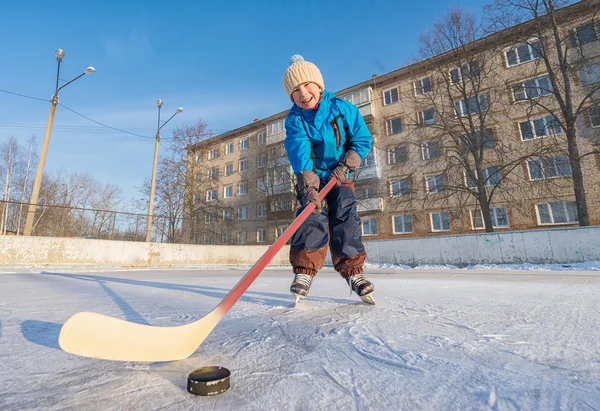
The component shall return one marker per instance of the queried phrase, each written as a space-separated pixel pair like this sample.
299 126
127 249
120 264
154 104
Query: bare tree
181 176
547 35
15 164
461 114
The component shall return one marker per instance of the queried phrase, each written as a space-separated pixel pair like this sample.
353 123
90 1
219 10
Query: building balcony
369 205
276 138
367 173
367 111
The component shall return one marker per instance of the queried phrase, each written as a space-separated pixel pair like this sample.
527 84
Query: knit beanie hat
301 71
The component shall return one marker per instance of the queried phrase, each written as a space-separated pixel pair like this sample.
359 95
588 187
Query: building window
261 210
549 167
390 96
540 127
227 191
198 178
262 160
595 115
400 187
199 158
209 217
402 224
365 192
243 188
211 195
564 212
242 213
590 74
465 72
397 155
431 150
472 105
358 97
214 153
228 169
369 226
213 173
276 127
261 235
244 144
394 126
440 221
281 205
423 86
227 214
427 117
229 148
435 184
280 230
261 137
241 237
498 215
369 160
491 177
473 142
207 239
586 33
243 165
197 198
524 53
532 88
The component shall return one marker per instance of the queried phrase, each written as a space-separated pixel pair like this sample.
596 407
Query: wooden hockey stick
99 336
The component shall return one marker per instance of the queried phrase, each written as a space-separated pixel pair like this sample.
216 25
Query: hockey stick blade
99 336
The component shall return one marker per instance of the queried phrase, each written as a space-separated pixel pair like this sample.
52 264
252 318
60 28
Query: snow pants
338 225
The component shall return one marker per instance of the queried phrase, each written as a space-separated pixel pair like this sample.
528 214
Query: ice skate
300 286
362 287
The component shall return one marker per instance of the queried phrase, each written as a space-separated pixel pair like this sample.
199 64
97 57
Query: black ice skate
362 287
301 285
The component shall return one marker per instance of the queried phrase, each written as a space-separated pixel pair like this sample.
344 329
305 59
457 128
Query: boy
325 137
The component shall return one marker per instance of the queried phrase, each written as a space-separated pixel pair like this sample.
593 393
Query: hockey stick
100 336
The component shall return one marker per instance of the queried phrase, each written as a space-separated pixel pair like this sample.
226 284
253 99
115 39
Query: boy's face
306 95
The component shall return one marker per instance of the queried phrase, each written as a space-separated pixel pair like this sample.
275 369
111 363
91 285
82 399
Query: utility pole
153 184
40 170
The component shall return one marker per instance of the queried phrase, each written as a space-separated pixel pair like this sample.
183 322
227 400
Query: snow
517 337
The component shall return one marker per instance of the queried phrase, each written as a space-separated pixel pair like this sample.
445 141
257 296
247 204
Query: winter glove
349 163
308 189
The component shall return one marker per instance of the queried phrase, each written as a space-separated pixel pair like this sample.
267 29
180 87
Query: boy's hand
349 163
308 188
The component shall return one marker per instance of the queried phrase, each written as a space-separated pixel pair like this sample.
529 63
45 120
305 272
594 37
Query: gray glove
308 189
349 163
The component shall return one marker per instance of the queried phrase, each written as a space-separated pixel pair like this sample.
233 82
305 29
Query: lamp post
40 170
151 205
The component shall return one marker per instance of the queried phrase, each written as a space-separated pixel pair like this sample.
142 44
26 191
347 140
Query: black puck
211 380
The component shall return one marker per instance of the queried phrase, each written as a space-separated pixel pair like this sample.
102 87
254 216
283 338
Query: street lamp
151 205
40 170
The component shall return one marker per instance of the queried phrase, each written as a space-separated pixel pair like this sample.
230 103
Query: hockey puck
211 380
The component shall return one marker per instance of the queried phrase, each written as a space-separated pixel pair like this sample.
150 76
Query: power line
23 95
102 124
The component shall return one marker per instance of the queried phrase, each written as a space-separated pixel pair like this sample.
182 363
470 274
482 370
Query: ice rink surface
438 339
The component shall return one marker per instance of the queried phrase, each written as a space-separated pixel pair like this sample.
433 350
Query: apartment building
446 129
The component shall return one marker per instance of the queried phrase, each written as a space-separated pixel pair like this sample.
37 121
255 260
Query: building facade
455 135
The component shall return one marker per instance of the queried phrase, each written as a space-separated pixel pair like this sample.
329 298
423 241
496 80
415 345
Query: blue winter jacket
334 128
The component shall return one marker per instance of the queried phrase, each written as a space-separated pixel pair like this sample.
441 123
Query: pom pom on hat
301 71
296 58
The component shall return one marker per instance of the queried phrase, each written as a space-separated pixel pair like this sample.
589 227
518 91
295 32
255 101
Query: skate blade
297 297
368 298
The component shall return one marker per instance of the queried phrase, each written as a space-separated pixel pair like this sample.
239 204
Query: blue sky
222 61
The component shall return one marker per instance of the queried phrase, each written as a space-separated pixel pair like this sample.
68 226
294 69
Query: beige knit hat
301 71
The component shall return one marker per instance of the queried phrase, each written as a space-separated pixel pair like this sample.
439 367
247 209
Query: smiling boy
325 136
